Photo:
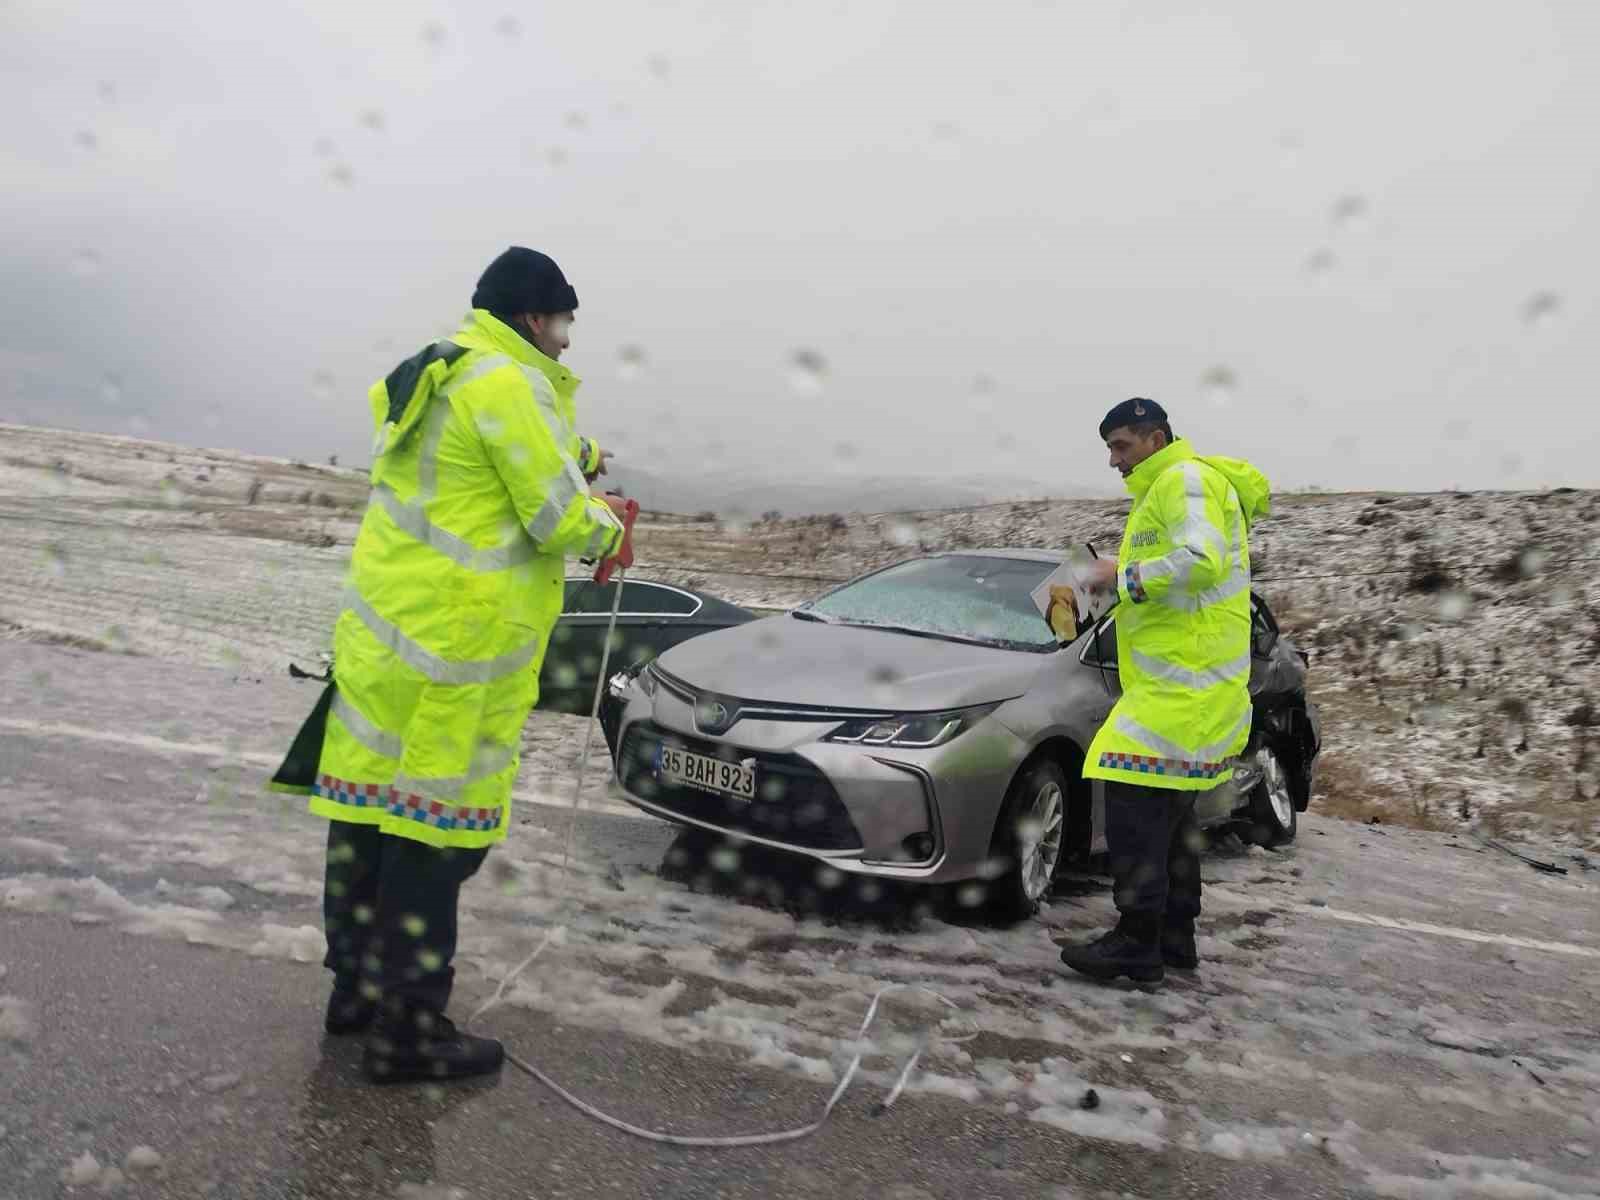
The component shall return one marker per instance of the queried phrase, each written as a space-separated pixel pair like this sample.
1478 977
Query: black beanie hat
1132 412
524 281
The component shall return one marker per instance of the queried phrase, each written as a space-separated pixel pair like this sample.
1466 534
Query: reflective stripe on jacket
1183 623
455 584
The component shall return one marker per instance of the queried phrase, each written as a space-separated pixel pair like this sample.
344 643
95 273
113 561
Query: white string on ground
676 1139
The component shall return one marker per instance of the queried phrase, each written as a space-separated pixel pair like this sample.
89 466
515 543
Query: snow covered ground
1381 1011
1455 637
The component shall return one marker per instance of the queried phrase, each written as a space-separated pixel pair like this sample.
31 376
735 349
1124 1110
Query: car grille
794 802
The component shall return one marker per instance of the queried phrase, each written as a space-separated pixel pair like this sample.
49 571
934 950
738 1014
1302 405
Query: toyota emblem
713 716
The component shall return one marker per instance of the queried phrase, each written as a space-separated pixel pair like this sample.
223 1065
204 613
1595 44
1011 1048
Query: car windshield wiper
805 614
913 631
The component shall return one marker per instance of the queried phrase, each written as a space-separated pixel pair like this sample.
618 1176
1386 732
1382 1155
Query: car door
573 658
651 618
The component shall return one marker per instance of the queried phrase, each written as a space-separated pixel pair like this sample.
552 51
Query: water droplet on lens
1321 263
1350 213
1218 384
1290 144
577 121
374 120
1532 561
323 385
808 370
322 147
111 391
107 91
630 362
341 174
1454 604
971 895
1541 309
86 139
556 156
660 66
903 533
1510 464
1457 429
845 451
86 262
724 859
508 27
434 35
56 559
1432 715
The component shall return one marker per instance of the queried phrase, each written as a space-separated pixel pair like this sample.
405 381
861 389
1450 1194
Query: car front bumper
915 815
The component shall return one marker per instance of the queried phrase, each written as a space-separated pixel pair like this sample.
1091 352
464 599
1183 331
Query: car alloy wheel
1042 840
1276 780
1272 820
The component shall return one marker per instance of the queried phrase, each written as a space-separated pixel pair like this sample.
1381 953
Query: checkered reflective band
406 804
1147 764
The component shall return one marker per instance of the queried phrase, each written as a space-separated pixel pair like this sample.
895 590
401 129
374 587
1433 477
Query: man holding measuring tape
480 491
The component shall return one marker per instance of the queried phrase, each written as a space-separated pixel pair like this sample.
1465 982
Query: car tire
1273 818
1032 821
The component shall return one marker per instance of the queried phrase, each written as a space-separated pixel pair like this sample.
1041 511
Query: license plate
683 768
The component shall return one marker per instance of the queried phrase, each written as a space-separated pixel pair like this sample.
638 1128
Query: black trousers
1155 849
389 910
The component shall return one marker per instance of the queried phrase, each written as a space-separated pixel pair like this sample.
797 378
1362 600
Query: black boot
349 1012
1177 946
1130 949
427 1047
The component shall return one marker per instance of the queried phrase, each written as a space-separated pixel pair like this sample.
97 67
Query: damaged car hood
788 661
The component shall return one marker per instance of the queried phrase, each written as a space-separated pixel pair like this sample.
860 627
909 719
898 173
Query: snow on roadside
690 969
1454 648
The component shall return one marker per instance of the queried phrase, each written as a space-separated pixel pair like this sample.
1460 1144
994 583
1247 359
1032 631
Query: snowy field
1396 1007
1392 1009
1455 637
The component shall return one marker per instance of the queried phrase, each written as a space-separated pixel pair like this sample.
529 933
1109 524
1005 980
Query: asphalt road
1382 1012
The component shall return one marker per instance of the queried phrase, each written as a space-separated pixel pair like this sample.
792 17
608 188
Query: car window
1100 649
1263 629
585 597
957 595
653 598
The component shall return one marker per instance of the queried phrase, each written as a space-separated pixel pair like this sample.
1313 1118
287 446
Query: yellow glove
1062 612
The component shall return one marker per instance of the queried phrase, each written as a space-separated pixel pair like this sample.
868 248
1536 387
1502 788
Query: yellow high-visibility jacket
478 497
1183 623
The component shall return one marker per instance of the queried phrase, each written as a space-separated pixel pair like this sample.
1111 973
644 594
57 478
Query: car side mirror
1263 632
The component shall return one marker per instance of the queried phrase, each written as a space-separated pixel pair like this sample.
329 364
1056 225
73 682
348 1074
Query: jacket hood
482 330
1255 491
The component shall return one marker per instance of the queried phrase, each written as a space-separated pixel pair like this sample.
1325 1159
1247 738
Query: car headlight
915 731
646 679
619 683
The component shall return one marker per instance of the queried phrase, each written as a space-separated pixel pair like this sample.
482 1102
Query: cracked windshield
879 601
958 596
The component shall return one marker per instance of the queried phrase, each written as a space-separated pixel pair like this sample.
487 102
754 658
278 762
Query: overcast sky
1357 244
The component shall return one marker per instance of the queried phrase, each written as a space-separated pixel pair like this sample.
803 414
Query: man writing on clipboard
1182 581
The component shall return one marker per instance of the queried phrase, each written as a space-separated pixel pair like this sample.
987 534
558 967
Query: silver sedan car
923 724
